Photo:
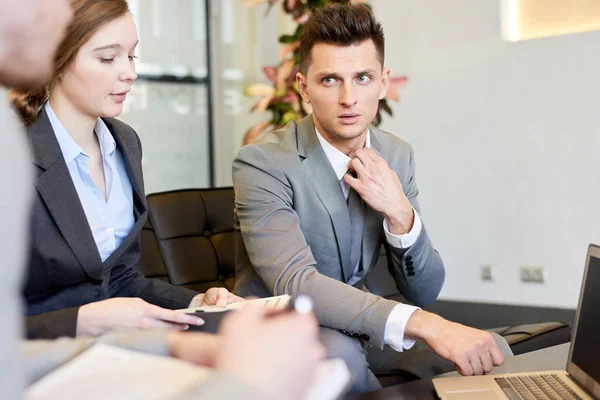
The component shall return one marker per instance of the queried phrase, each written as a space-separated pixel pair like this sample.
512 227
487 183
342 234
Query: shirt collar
105 138
69 148
338 160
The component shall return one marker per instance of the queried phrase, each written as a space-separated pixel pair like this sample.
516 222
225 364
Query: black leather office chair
188 239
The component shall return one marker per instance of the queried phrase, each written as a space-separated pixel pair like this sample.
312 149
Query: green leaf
383 105
276 117
283 107
286 39
377 119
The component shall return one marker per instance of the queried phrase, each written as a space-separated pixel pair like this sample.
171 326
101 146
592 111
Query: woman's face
101 75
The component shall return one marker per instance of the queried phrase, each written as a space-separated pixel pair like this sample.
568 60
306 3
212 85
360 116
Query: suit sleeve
126 282
277 249
422 283
52 324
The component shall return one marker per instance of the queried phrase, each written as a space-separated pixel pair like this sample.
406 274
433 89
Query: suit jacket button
409 263
411 273
408 258
410 268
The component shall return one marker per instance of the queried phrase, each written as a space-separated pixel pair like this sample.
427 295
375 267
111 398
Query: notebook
108 372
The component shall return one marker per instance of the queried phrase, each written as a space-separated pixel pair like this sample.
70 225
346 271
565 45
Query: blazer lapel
327 187
134 169
60 196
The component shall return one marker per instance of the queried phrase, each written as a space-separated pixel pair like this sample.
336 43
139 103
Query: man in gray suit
316 200
29 33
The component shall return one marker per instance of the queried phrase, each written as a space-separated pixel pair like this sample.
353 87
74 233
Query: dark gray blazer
65 269
295 231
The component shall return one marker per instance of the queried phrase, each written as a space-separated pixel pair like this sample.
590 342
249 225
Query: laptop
581 379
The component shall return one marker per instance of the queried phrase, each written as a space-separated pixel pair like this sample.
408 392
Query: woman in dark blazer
90 205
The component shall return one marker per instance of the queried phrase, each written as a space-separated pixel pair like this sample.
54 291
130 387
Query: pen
303 304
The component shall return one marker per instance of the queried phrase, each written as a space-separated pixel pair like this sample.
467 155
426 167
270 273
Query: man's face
30 32
344 86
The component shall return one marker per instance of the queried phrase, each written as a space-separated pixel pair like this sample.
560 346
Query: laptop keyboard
536 387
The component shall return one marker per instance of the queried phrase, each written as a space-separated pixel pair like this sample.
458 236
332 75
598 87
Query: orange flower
396 83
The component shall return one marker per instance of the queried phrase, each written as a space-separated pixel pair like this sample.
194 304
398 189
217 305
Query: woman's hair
89 16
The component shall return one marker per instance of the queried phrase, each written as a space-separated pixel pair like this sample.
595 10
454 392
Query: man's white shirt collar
338 160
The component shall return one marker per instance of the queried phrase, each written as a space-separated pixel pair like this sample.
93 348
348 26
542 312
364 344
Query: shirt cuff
406 240
395 326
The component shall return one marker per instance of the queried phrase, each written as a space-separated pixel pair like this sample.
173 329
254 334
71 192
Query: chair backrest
188 240
193 241
151 263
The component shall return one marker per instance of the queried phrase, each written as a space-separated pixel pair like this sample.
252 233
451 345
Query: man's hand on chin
380 188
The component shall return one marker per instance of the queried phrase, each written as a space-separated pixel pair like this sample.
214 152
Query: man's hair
340 25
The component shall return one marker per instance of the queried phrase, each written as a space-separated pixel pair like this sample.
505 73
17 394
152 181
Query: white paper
276 302
108 372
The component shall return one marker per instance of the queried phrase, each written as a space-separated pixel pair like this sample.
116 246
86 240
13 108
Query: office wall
507 140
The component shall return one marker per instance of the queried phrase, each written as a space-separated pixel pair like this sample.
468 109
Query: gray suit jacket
293 231
65 269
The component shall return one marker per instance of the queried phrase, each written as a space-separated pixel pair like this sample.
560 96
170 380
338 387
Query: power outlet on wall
486 273
533 274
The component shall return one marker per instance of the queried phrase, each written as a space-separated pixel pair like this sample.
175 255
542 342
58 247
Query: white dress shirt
398 318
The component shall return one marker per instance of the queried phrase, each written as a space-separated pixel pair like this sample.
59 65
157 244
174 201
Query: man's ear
301 82
385 82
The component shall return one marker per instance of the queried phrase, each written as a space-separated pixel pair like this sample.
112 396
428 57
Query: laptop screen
586 343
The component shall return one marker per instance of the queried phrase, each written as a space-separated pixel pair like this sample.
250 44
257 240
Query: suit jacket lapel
134 170
327 187
60 196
